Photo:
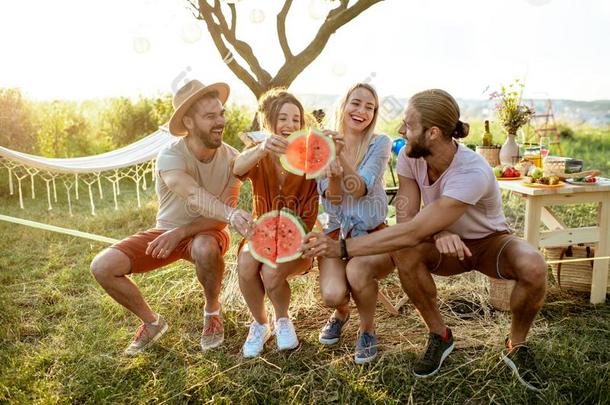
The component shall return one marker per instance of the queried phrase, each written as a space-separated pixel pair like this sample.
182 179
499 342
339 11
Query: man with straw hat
197 195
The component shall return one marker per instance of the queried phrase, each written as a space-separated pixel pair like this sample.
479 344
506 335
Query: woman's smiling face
359 110
288 120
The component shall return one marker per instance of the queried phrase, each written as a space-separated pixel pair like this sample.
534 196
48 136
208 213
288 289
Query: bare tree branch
225 53
242 48
281 30
258 79
335 19
233 18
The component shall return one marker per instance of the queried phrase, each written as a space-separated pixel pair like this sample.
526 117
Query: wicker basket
573 276
490 153
500 292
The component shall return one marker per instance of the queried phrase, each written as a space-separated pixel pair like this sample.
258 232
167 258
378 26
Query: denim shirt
360 215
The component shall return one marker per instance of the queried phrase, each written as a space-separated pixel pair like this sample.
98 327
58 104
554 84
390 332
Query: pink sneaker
146 335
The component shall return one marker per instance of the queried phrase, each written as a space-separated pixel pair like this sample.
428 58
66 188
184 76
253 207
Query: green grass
61 336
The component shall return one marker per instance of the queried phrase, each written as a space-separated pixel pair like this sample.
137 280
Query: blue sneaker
331 332
366 348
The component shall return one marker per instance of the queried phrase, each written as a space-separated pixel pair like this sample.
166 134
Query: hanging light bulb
141 45
339 69
317 9
257 16
191 32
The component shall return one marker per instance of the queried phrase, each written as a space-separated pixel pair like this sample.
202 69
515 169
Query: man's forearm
386 240
208 206
429 221
198 225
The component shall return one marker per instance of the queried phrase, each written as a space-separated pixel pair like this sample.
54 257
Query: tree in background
125 121
224 34
17 127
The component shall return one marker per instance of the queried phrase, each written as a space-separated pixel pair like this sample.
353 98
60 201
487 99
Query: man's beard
208 139
417 149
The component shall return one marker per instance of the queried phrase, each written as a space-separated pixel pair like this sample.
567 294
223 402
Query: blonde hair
437 108
369 132
270 104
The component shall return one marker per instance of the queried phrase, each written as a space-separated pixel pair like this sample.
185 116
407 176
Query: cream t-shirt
216 177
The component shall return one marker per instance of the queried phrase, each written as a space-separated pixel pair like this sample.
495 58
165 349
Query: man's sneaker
285 335
331 332
437 351
257 337
213 332
147 334
366 348
523 363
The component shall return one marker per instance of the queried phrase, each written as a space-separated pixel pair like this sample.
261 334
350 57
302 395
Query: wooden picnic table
538 202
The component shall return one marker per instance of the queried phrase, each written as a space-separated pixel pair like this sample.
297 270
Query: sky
81 49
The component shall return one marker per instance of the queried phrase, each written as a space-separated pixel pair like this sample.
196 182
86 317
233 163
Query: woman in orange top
280 114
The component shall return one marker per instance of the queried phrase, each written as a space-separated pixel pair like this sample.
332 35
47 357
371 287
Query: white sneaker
285 335
257 337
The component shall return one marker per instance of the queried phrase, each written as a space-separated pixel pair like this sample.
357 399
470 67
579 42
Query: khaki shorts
135 246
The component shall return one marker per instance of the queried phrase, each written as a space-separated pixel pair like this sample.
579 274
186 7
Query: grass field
61 336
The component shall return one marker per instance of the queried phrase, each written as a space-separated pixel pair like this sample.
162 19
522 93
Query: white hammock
143 150
133 161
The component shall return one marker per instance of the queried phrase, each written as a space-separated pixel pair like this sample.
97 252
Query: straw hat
188 95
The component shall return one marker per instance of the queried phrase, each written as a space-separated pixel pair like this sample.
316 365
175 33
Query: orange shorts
134 247
335 234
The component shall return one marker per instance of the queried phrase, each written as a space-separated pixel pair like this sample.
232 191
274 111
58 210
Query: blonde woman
280 114
353 196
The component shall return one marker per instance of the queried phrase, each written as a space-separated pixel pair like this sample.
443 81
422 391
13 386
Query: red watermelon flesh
290 234
277 237
309 152
295 151
320 152
263 243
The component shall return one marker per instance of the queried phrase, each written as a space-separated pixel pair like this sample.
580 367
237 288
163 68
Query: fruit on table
546 180
506 171
538 173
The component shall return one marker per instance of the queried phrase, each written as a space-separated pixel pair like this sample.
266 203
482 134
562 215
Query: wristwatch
344 255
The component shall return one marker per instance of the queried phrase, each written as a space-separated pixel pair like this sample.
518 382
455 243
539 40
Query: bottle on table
487 137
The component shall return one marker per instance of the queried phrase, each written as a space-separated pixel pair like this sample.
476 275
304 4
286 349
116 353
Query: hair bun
461 130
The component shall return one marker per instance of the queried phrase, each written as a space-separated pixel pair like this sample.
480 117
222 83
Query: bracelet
343 244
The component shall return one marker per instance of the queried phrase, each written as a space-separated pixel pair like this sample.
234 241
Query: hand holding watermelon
318 244
275 144
334 169
242 222
337 138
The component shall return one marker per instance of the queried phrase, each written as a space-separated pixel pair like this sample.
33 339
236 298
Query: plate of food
538 180
588 181
542 185
507 173
509 178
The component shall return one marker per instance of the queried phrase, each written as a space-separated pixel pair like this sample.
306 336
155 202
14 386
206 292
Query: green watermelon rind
284 161
333 152
253 252
289 214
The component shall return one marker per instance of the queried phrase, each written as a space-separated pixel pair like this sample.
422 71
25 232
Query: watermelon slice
277 237
309 152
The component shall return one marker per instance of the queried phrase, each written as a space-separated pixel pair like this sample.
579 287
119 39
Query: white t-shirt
468 179
216 177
